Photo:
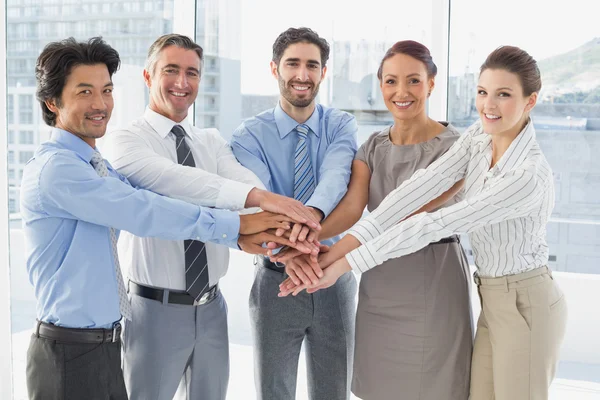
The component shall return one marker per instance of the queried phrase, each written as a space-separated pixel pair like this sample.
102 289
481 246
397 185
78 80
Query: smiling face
405 86
299 74
86 102
174 82
501 105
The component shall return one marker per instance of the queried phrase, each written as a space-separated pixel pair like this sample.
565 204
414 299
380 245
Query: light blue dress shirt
265 144
67 209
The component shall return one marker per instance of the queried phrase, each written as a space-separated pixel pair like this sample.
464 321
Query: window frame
6 383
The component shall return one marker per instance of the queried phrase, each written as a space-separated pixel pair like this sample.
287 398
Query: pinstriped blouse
505 209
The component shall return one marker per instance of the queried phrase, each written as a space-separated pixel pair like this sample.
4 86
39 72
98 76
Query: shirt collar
518 149
286 124
163 125
73 142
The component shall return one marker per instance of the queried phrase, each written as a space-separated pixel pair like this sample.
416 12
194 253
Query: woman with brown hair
413 324
508 200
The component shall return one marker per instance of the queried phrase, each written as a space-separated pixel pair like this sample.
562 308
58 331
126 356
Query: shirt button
224 236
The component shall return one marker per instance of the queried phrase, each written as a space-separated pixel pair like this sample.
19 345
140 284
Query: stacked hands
288 225
310 272
283 222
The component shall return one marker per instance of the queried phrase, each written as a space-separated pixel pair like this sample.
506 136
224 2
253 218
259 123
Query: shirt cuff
366 229
233 195
362 259
227 228
324 205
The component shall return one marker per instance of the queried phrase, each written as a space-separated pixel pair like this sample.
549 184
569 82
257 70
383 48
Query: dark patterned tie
304 179
196 264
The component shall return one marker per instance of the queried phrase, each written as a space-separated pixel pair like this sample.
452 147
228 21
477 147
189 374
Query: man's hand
253 243
287 254
261 221
301 247
278 204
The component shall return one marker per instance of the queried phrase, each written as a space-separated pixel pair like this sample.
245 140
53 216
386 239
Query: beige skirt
414 332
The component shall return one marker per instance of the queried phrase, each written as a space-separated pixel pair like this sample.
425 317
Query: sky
541 27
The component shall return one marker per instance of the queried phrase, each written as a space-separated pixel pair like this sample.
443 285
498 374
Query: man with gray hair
179 327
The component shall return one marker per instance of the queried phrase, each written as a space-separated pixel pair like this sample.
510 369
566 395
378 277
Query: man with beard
302 150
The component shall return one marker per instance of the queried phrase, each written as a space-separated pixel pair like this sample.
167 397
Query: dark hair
171 39
413 49
56 62
518 62
299 35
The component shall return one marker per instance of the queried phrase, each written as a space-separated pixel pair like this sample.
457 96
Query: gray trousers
169 343
280 325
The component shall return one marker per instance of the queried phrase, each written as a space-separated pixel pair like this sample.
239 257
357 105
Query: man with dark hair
302 150
163 152
73 204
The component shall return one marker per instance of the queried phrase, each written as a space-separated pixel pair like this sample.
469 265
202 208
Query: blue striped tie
304 179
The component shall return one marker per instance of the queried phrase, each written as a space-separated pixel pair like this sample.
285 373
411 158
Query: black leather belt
451 239
78 335
174 297
264 262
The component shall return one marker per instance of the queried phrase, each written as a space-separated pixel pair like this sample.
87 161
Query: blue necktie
196 263
304 179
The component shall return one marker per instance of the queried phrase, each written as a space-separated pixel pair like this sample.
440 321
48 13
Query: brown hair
299 35
518 62
413 49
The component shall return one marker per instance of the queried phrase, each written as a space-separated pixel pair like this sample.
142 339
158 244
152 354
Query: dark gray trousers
74 371
323 320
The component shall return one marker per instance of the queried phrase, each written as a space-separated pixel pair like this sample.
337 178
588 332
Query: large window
237 37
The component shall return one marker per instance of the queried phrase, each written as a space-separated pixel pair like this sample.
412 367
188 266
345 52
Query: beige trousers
519 333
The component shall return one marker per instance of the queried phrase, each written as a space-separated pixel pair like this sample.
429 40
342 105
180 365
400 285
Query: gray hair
171 39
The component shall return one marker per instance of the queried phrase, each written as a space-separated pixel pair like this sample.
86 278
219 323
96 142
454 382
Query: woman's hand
330 276
303 269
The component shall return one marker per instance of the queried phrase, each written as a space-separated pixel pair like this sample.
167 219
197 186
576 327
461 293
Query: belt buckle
203 299
114 332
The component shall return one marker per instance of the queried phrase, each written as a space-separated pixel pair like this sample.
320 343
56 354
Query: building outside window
10 109
26 137
25 156
25 109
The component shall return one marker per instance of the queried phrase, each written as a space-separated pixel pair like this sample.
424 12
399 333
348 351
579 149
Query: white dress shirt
144 152
505 211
